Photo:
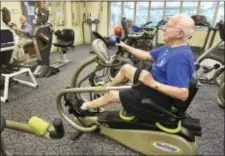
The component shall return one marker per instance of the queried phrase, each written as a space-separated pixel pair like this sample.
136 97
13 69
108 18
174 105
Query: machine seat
65 38
190 126
63 44
152 113
104 39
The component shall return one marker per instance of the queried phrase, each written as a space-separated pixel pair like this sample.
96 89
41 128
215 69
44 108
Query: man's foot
81 112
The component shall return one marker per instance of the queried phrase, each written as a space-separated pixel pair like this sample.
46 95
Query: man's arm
174 92
138 53
23 30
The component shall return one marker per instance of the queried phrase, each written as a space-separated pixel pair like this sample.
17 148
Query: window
141 13
115 13
220 15
207 9
128 10
190 8
172 8
156 12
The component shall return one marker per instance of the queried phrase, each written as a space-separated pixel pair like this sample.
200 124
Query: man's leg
126 72
20 52
107 98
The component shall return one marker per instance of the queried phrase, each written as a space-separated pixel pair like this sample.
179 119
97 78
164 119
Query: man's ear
180 35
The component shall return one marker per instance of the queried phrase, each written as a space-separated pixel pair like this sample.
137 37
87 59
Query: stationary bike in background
109 41
210 69
142 39
11 70
42 36
208 66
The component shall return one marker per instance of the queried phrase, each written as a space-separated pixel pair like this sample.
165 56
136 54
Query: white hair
186 23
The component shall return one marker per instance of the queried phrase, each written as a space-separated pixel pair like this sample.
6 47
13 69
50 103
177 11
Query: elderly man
168 77
25 37
25 29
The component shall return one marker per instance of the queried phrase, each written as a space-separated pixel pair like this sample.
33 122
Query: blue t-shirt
135 28
26 27
173 66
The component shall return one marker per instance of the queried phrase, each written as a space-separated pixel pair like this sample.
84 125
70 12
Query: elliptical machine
9 69
165 132
209 67
42 34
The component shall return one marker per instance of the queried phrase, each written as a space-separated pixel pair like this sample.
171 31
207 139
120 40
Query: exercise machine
42 38
221 94
141 39
164 132
64 40
209 67
9 70
201 21
35 126
92 22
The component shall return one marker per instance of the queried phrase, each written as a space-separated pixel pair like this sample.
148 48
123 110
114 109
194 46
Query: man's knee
126 67
113 96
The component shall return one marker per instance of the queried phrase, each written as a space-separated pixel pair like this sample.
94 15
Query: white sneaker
95 110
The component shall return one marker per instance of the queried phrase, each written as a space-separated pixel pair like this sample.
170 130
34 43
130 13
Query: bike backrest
6 17
65 35
124 23
7 51
221 28
200 20
182 106
42 15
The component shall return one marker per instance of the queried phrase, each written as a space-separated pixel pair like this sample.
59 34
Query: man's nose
163 28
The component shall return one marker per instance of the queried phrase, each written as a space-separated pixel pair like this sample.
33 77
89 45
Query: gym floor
25 102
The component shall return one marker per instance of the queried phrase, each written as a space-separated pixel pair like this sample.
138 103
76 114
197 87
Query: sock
84 106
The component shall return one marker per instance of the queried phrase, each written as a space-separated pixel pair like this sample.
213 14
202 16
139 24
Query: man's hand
146 78
121 44
15 28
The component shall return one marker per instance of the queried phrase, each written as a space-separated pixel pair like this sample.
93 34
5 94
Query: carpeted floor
25 102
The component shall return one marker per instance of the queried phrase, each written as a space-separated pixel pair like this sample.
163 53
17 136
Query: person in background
25 29
24 32
132 28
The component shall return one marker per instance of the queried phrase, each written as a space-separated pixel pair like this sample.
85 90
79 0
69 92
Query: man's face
22 20
171 31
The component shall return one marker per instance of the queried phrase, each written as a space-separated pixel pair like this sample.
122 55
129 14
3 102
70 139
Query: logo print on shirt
161 63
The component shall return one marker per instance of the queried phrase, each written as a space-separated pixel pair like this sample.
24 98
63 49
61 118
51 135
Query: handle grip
59 129
118 41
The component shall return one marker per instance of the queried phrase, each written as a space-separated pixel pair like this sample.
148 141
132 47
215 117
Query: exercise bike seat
151 113
135 35
65 38
104 39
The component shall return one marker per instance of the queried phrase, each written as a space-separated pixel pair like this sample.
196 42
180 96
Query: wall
90 7
98 9
15 9
77 28
198 38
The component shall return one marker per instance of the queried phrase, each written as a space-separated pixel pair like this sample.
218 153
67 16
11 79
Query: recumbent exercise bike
151 129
